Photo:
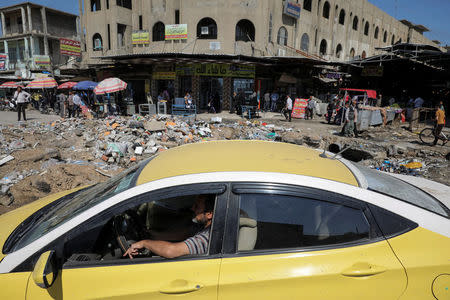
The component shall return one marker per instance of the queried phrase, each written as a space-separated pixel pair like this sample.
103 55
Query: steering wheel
127 228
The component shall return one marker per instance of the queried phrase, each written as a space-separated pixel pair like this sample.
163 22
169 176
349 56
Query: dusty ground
60 160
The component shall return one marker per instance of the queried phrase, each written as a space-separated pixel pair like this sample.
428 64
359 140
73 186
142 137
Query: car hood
12 219
435 189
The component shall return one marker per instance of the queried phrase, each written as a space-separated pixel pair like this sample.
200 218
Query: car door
284 242
190 277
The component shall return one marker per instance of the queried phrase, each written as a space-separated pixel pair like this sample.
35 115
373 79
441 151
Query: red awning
370 93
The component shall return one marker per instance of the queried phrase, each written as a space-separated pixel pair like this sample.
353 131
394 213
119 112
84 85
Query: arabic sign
3 57
220 70
292 9
176 32
164 75
334 75
41 60
70 47
140 37
299 107
372 71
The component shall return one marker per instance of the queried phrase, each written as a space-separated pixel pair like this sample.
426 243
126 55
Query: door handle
363 269
180 286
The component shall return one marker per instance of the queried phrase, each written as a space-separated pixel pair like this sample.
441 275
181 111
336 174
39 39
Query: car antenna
343 150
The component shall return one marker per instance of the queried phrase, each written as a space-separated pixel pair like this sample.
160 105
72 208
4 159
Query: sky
433 14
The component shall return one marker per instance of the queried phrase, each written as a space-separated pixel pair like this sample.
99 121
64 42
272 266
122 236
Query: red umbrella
67 85
110 85
10 85
42 83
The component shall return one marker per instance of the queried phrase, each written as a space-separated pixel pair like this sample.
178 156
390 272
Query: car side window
280 221
167 219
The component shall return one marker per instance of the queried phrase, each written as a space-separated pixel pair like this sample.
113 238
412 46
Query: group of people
70 104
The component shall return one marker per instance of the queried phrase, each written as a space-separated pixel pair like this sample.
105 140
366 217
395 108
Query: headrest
248 222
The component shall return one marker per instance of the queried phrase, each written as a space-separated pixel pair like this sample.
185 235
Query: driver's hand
134 249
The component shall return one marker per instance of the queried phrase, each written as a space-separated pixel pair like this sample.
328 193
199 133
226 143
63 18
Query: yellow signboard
164 75
220 70
41 60
176 32
140 38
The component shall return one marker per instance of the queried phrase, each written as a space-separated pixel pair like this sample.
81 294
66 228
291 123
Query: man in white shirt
77 104
21 98
288 112
310 108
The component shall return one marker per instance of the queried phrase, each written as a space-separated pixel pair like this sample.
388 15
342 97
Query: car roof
244 156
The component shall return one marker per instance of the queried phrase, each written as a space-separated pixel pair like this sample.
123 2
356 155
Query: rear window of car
389 185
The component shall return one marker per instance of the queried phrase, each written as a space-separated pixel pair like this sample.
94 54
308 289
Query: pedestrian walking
70 104
330 110
62 98
440 123
349 119
288 111
274 98
21 97
77 103
310 108
266 101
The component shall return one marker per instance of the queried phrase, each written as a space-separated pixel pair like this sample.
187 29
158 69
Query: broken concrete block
6 159
154 125
138 150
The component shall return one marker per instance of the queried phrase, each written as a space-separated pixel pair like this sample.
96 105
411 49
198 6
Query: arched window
355 23
245 31
338 51
97 42
304 44
352 53
363 55
159 32
207 29
282 36
385 37
376 33
307 5
326 10
342 17
366 29
393 40
323 48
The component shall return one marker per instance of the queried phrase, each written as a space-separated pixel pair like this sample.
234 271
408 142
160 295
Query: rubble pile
37 159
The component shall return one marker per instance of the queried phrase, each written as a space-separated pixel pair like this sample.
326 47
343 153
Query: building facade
179 45
335 30
30 38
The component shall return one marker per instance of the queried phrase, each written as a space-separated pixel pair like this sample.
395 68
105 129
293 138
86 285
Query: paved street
10 117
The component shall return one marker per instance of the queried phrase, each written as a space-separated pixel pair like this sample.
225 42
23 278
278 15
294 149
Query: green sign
219 70
140 37
176 32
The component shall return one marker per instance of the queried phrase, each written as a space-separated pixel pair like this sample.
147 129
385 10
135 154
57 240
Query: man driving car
203 209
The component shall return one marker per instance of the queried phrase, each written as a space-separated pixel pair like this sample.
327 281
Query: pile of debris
37 159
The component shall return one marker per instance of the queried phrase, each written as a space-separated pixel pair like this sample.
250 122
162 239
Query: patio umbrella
67 85
85 85
10 85
110 85
42 83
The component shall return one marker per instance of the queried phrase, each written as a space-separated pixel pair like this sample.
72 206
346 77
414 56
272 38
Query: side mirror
45 271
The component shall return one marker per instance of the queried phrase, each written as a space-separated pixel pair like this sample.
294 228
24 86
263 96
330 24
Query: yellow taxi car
288 223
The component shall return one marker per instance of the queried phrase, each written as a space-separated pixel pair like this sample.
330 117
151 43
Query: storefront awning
285 78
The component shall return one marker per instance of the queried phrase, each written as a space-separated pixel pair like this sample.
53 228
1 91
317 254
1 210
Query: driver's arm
161 248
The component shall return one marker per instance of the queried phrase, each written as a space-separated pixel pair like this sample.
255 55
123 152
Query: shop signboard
164 75
41 61
3 58
299 108
292 9
69 47
333 75
372 71
176 32
140 37
217 70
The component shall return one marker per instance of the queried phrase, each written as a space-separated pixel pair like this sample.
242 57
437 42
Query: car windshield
86 199
389 185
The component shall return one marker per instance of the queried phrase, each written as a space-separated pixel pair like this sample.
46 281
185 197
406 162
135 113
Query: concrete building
30 39
220 46
336 30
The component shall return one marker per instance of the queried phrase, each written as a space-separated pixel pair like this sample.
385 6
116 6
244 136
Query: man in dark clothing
330 109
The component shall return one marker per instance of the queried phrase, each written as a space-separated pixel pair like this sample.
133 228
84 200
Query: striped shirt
198 244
